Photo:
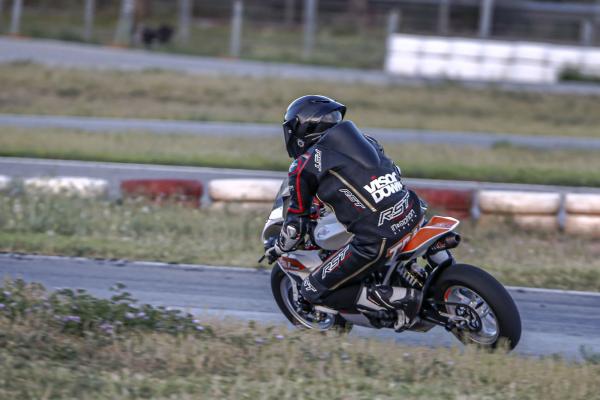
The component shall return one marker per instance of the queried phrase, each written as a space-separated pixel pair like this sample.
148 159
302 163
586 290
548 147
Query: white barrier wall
241 190
4 182
67 185
485 60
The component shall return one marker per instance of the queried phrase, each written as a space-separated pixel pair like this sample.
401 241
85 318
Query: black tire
277 278
493 293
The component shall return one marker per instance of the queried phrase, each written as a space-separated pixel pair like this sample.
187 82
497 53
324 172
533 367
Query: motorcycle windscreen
282 199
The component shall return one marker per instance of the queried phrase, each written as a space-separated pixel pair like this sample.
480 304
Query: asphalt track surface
197 128
76 55
114 173
554 321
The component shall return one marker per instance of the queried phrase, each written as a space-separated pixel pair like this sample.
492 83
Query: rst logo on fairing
383 186
353 198
318 160
335 262
394 211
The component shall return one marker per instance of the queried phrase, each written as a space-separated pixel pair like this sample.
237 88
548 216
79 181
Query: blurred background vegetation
349 33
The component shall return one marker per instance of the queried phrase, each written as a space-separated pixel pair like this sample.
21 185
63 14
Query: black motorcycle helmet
306 119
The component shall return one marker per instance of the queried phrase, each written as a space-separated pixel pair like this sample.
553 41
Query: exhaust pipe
448 242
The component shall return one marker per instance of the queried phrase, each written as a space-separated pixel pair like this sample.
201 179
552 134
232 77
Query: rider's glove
291 235
272 254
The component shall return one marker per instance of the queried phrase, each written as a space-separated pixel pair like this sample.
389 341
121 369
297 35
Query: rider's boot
375 301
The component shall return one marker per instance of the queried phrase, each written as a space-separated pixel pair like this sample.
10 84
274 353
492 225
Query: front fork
296 282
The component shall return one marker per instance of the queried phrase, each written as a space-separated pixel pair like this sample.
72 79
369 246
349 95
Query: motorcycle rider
350 173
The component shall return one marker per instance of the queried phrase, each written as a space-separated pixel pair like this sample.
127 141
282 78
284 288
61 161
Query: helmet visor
333 117
288 136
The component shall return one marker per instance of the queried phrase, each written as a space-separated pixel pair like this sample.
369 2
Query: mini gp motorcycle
464 299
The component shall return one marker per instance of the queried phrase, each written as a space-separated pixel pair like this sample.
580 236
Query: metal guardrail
578 9
587 15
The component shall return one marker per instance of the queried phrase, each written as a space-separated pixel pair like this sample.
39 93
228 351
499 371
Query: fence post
185 15
15 22
290 12
586 32
1 12
444 17
125 25
235 43
393 22
88 19
310 27
486 14
596 21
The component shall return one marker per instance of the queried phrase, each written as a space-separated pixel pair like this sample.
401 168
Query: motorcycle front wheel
281 286
487 313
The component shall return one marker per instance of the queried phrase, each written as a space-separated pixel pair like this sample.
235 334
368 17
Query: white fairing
330 234
309 258
276 214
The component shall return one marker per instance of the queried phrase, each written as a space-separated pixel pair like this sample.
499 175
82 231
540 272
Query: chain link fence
350 33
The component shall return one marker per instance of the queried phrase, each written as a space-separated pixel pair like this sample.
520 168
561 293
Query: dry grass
249 363
56 225
45 355
521 258
500 164
33 89
174 234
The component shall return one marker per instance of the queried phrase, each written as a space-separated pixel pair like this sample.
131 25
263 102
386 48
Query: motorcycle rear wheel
281 286
497 322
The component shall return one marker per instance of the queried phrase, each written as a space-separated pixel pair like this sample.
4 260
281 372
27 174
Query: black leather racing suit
350 173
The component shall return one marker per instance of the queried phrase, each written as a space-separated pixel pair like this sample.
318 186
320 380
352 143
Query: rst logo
335 262
383 186
353 199
318 160
394 211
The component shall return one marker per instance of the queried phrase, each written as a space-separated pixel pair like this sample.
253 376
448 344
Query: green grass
31 89
499 164
68 344
135 230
